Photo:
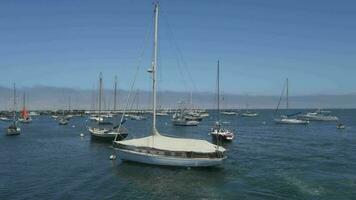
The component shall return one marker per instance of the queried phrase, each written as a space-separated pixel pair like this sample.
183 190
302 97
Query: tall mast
69 103
247 102
100 90
287 94
24 101
14 111
218 79
115 87
154 68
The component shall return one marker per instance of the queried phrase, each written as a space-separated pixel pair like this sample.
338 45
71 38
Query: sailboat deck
165 143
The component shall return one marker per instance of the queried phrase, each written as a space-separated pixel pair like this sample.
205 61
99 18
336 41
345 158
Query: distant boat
288 119
137 117
204 113
24 116
162 113
13 129
228 112
248 113
5 119
63 121
192 115
318 115
106 134
180 118
218 133
340 126
157 149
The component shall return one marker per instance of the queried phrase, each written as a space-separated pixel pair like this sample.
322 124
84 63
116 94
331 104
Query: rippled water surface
266 161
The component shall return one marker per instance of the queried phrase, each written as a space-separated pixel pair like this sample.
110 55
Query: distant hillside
42 97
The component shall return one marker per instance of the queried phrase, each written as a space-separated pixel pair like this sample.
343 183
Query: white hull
167 160
185 123
5 119
228 113
249 114
291 121
318 118
22 120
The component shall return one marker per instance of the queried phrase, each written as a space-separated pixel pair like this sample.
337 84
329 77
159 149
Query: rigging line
280 97
148 31
174 46
181 56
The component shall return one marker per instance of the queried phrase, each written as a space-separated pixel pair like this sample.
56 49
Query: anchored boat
218 133
13 129
288 119
158 149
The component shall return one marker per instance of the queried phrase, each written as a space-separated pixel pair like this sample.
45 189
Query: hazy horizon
48 97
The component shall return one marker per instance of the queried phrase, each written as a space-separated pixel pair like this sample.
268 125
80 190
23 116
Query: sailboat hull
102 135
161 160
25 121
291 121
13 131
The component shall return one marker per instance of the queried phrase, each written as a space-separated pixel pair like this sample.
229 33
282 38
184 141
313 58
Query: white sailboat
217 133
13 129
157 149
180 118
248 113
288 119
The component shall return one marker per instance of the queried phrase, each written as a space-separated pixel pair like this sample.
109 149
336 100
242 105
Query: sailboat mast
69 103
24 102
154 67
115 87
14 111
247 102
218 79
287 94
100 90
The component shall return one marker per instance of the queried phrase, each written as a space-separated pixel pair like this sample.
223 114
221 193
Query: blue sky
259 43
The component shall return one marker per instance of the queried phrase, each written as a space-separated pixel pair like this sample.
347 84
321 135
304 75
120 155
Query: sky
259 43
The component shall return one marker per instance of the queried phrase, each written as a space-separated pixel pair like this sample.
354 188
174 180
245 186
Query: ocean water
265 161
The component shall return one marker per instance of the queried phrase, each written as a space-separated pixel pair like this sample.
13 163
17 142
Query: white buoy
112 157
73 126
81 135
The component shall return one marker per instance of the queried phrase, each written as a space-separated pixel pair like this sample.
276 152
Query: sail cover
173 144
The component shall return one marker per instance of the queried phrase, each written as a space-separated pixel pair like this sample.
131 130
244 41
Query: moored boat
158 149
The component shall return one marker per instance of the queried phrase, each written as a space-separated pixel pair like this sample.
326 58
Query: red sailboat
24 116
